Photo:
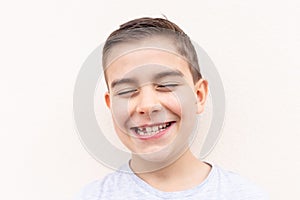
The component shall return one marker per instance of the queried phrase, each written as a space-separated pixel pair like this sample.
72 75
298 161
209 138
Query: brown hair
142 28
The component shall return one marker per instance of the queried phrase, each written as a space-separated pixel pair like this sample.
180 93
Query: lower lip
156 136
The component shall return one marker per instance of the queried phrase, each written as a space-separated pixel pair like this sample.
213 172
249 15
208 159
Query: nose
148 101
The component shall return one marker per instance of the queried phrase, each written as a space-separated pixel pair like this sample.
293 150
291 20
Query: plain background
254 44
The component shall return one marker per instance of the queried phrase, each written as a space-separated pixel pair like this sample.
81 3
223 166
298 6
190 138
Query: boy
155 92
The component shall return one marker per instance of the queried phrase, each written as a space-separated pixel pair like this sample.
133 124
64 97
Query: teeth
154 128
148 131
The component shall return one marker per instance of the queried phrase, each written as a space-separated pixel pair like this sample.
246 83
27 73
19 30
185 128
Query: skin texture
150 87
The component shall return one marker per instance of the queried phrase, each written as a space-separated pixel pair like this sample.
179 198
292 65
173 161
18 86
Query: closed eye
126 92
167 86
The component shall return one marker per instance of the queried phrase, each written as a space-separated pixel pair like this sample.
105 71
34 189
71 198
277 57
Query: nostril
142 112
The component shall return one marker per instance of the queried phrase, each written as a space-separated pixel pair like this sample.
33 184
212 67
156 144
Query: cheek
123 136
171 101
120 112
182 101
120 118
185 103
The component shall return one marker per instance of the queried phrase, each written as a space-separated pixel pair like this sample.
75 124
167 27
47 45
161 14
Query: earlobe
107 99
201 88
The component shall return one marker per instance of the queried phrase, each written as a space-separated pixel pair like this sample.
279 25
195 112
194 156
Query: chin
166 154
156 156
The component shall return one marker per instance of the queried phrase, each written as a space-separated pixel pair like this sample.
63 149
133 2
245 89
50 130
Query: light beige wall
254 45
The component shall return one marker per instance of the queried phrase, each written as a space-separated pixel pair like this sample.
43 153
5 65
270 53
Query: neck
186 172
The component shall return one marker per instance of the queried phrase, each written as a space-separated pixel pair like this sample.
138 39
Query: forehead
135 59
155 42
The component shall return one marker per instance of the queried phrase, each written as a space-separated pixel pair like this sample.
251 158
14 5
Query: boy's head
155 88
142 29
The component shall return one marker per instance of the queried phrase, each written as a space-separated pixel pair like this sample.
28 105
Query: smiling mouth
151 130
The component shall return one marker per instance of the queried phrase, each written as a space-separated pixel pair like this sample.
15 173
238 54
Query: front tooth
146 133
154 128
140 132
160 126
148 129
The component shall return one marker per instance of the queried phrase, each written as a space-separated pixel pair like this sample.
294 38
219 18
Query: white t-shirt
219 185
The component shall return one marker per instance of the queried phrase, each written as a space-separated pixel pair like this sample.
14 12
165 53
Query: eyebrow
156 77
122 81
168 73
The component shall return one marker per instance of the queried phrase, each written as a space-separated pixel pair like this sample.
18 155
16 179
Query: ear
107 99
201 89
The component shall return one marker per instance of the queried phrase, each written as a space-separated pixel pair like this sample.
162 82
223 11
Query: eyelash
124 92
161 87
167 85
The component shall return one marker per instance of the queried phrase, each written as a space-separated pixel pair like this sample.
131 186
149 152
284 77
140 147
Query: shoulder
116 184
233 184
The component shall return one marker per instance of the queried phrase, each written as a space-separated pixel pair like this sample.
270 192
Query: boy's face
154 102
